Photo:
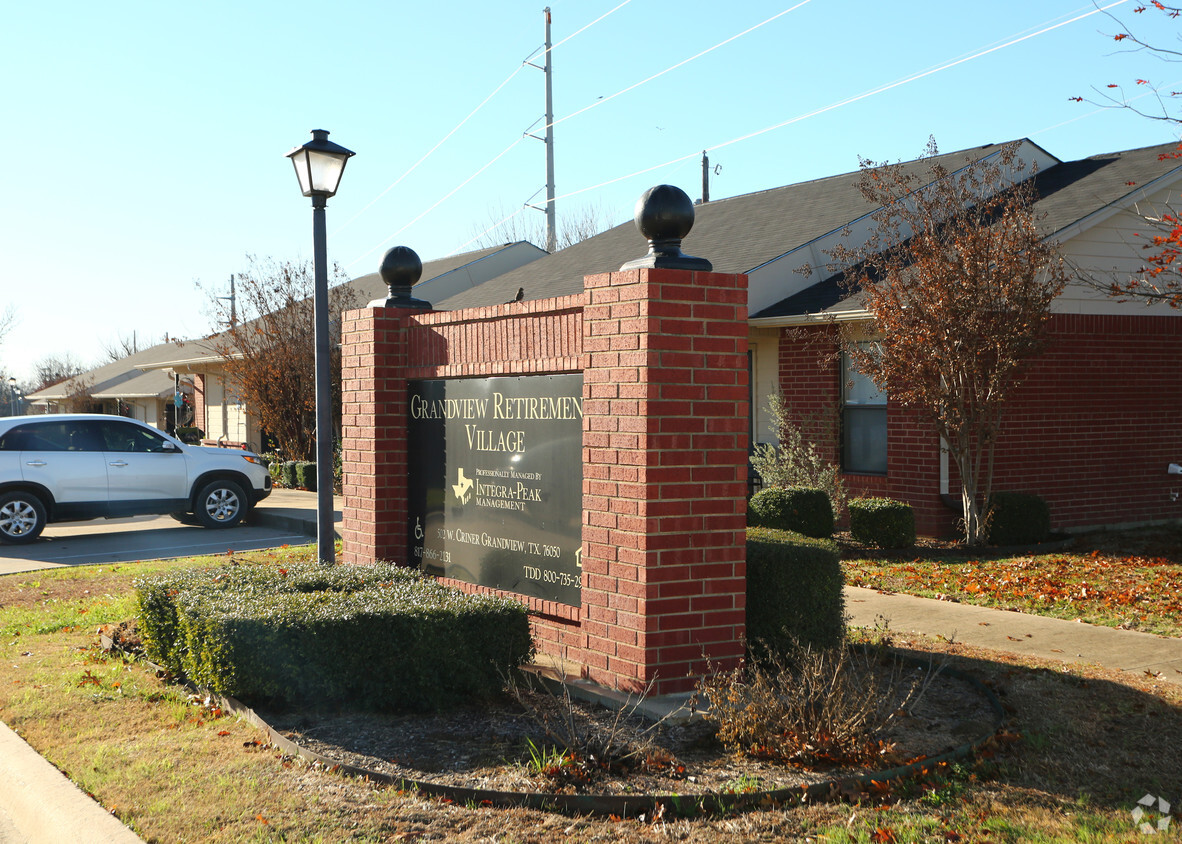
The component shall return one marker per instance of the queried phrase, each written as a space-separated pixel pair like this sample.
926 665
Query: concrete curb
285 521
31 784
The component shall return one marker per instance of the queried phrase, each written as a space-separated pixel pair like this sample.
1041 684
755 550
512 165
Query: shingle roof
743 233
736 235
109 377
1068 193
1073 190
370 287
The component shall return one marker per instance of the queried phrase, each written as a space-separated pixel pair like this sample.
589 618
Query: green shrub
189 434
801 509
305 472
378 637
882 522
288 474
794 591
274 467
799 458
1018 518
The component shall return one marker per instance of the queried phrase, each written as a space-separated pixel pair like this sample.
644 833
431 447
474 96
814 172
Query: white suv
70 467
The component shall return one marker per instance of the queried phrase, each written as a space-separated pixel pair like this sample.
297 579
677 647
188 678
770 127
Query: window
50 436
123 436
863 421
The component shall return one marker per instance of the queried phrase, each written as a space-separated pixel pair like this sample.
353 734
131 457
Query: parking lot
286 518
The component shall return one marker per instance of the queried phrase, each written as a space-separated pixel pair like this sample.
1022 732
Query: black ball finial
665 215
400 269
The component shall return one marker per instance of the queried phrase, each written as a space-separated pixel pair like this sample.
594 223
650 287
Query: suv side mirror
171 447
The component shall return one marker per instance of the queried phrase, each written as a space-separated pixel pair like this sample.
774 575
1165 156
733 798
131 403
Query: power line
683 63
472 114
437 202
454 130
625 91
427 154
857 98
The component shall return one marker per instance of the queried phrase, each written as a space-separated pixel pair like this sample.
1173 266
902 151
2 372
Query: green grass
174 770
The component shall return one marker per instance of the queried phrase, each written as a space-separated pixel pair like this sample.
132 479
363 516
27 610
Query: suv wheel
22 517
220 504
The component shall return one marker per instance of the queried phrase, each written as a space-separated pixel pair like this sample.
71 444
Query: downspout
950 501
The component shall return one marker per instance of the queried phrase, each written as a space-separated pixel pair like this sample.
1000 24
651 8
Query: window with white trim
863 421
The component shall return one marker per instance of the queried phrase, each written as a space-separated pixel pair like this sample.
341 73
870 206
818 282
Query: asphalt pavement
286 517
38 805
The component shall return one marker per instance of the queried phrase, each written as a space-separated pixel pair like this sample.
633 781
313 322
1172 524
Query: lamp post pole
319 165
325 535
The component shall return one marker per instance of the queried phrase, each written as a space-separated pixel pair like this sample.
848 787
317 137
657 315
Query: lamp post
13 396
319 165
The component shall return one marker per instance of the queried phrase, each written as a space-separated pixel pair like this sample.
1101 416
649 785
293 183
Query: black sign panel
496 482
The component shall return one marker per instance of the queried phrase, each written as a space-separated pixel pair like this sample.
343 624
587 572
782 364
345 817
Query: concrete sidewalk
38 805
1021 633
293 510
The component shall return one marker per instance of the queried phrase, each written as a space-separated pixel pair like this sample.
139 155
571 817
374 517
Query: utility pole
551 234
548 140
233 299
705 177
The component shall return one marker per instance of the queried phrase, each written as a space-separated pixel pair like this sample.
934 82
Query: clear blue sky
148 137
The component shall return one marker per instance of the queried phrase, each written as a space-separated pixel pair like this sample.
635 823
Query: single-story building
1093 426
126 387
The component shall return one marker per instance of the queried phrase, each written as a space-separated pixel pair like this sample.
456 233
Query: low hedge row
1018 518
380 637
294 474
794 591
882 522
806 510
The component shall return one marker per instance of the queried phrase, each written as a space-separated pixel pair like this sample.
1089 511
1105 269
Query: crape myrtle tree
1159 279
269 348
959 282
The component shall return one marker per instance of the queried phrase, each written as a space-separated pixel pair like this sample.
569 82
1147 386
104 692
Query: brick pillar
374 353
664 476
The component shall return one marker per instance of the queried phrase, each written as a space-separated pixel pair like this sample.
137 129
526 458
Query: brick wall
663 356
199 419
664 476
1092 427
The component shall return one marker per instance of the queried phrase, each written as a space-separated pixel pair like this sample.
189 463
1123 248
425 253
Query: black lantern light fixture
319 165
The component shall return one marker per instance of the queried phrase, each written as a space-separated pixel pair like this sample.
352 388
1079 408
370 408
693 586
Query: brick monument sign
585 454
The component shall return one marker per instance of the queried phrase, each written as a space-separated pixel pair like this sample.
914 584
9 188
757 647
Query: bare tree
54 369
959 281
512 227
7 321
270 349
119 347
1159 279
1134 40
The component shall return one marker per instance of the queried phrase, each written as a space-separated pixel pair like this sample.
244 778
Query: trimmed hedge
305 472
378 637
801 509
1018 518
190 434
882 522
794 591
287 472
